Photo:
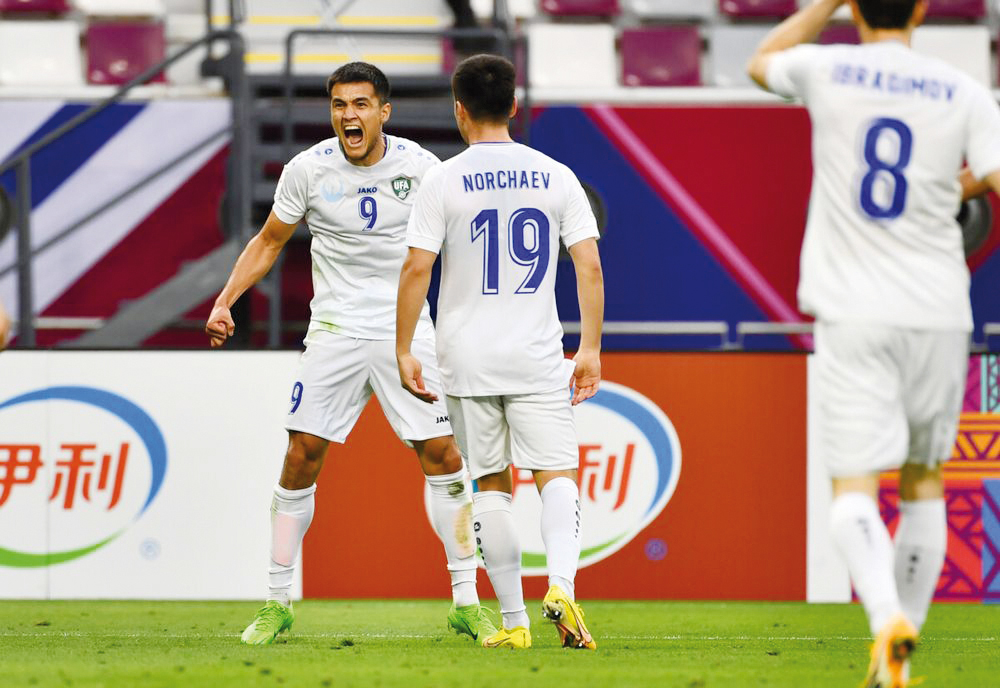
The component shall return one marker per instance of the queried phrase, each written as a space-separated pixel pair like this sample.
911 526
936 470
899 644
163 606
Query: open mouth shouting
357 116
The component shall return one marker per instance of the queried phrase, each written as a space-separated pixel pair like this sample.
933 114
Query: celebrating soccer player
496 214
883 271
355 192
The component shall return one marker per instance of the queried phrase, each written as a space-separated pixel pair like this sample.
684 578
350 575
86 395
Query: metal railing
230 67
613 328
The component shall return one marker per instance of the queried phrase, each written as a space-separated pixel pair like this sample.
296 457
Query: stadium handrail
230 66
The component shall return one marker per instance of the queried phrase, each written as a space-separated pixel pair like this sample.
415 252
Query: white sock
921 543
496 536
561 531
451 514
864 542
291 514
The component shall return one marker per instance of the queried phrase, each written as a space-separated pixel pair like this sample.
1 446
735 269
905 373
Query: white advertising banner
827 579
139 474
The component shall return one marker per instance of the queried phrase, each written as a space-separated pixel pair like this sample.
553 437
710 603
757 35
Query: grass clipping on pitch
405 643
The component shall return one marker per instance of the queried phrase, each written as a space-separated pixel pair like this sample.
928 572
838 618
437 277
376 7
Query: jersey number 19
528 245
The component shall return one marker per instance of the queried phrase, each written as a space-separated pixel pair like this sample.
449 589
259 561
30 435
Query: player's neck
870 35
488 133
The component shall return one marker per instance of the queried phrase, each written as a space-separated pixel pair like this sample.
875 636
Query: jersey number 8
879 169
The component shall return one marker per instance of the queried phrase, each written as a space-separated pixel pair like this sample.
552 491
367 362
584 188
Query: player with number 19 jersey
357 217
890 129
496 213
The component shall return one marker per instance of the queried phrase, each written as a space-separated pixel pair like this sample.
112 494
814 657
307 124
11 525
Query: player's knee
442 454
304 449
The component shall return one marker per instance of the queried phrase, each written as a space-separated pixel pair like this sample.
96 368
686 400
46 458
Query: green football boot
270 620
472 620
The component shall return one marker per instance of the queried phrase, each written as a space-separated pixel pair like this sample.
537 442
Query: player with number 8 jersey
884 272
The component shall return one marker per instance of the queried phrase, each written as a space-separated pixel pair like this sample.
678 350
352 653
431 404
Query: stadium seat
119 51
672 9
40 53
661 56
730 47
578 8
757 8
965 47
956 9
572 56
839 33
120 8
12 7
181 29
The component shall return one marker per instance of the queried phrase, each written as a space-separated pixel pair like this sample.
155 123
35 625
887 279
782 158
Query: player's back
891 129
505 208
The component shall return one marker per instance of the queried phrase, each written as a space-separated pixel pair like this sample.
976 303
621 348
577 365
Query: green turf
381 643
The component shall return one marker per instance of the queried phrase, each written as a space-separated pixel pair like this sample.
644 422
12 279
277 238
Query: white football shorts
533 431
337 375
885 396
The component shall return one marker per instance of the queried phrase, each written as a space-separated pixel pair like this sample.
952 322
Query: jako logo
630 462
74 472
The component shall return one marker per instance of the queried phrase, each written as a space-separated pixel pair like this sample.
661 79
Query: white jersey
891 129
357 217
496 213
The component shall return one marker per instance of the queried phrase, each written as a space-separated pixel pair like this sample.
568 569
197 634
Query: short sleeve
291 196
983 145
788 70
578 221
426 227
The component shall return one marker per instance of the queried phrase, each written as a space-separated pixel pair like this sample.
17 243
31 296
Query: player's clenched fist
220 326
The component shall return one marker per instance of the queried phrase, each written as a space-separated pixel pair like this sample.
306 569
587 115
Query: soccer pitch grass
404 643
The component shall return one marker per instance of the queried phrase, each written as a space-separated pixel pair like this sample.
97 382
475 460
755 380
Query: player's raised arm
254 262
590 293
802 27
414 281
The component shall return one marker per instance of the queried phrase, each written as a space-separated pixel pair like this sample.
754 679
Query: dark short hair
887 14
484 85
357 73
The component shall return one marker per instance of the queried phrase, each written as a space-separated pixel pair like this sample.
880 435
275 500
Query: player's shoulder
409 150
321 154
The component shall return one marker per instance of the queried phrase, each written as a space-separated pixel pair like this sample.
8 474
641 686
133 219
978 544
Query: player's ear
919 12
386 111
513 109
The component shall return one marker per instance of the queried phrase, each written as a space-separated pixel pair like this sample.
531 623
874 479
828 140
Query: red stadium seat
661 56
957 9
120 51
839 33
757 8
577 8
34 6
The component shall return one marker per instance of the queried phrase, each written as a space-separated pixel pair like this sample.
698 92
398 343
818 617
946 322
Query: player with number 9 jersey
357 218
